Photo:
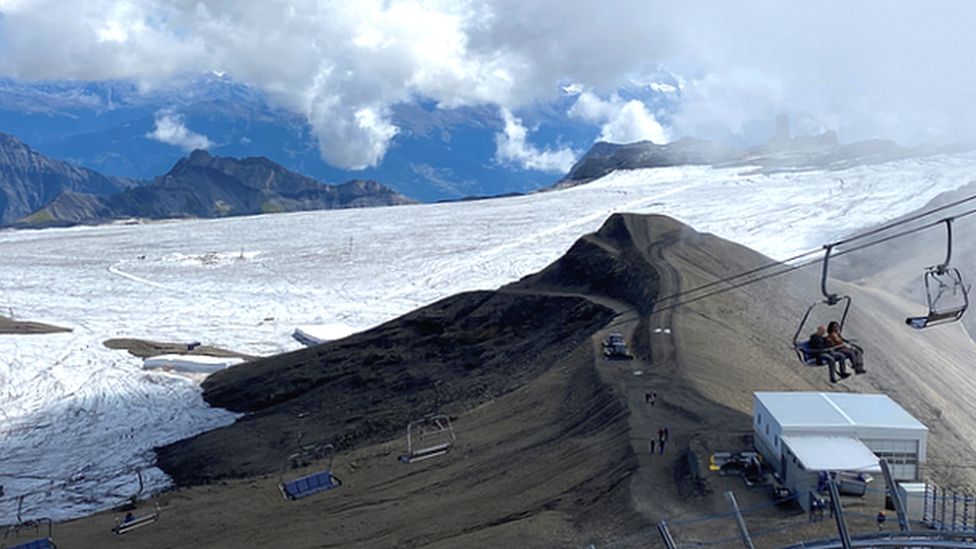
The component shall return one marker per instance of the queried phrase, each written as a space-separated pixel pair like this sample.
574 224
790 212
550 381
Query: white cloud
171 129
898 69
513 147
572 89
661 87
620 121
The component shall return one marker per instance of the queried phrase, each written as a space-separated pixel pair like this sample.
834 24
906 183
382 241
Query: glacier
77 420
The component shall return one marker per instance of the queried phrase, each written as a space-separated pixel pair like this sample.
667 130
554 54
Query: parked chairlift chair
128 522
946 280
123 526
40 543
801 343
310 484
427 438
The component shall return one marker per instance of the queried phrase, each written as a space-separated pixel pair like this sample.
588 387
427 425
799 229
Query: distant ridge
206 186
781 152
29 180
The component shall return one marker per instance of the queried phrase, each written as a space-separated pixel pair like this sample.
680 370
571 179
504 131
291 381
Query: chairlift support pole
945 264
845 537
739 521
895 495
662 528
831 298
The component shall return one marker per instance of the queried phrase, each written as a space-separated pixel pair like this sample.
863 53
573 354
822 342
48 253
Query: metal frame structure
938 274
27 524
442 429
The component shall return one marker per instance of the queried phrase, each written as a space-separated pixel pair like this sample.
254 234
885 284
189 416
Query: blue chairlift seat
309 485
935 318
808 356
43 543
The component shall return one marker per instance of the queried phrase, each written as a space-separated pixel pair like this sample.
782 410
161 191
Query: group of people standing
828 344
662 438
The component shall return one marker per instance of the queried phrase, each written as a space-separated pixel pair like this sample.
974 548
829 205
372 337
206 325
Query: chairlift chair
28 524
942 280
309 484
128 523
801 344
123 526
428 438
41 543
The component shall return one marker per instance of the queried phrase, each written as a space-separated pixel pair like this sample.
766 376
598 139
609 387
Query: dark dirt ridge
448 357
143 348
11 326
549 432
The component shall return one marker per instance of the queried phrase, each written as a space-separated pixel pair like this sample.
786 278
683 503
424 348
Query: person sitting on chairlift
840 345
129 517
822 349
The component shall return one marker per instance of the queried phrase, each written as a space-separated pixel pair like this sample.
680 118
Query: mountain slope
29 180
205 186
552 438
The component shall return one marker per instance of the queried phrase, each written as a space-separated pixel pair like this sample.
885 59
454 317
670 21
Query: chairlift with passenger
801 345
130 522
429 437
309 484
945 292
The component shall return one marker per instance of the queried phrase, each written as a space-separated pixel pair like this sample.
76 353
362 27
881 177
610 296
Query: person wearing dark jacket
823 351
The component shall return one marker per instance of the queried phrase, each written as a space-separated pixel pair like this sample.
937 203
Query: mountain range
110 127
782 152
39 191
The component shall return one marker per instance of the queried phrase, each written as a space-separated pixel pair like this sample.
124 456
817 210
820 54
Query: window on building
902 456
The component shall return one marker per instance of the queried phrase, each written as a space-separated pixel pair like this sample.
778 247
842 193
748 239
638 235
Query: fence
948 509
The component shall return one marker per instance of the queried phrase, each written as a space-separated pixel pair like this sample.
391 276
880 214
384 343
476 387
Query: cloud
897 69
620 121
171 129
512 147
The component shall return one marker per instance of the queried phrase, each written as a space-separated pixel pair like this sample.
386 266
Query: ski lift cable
786 269
900 222
773 264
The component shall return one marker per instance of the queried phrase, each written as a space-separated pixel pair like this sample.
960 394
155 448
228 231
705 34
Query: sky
891 69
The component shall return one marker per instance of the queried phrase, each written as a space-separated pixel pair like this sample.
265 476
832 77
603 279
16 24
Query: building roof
809 409
818 453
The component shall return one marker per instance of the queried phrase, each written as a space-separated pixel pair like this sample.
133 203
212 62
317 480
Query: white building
801 434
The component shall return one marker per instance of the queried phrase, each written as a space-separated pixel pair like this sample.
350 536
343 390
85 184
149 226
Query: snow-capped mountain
245 283
119 129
